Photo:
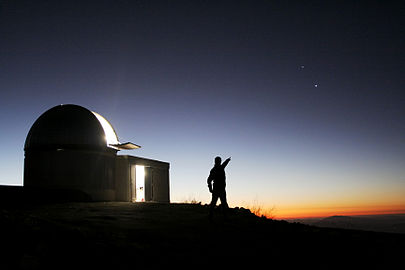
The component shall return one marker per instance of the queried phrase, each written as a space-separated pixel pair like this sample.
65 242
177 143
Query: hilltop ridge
122 235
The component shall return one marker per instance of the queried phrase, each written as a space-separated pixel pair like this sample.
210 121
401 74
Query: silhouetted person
217 175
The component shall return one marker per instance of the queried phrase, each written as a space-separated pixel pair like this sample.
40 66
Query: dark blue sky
278 85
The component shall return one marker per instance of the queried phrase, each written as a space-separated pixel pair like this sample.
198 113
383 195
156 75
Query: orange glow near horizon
315 212
318 203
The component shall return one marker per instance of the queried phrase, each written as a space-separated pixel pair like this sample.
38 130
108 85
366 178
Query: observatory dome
71 127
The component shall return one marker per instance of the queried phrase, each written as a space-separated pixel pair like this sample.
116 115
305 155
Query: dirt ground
117 235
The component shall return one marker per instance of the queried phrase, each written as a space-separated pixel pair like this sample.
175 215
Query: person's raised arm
226 162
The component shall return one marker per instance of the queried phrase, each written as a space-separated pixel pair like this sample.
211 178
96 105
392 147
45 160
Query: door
140 183
148 184
132 188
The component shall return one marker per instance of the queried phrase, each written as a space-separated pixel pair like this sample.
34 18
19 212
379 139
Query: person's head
218 160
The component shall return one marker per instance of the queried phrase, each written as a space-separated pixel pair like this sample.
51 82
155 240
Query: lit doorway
140 183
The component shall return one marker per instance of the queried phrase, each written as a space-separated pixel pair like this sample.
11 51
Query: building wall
103 176
156 178
91 172
122 179
160 185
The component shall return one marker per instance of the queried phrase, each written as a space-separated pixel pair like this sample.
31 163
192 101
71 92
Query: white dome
110 135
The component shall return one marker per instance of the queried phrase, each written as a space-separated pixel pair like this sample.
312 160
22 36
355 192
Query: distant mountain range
379 223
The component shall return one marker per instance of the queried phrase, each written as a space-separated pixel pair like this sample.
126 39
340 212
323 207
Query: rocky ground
129 235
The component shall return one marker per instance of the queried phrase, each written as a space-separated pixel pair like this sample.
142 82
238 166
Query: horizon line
376 213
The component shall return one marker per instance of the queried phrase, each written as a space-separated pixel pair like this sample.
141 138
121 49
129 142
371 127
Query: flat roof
145 161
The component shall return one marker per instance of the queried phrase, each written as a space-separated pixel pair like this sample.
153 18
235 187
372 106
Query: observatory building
72 149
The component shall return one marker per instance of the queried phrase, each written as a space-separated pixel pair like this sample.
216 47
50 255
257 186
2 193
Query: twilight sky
307 98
